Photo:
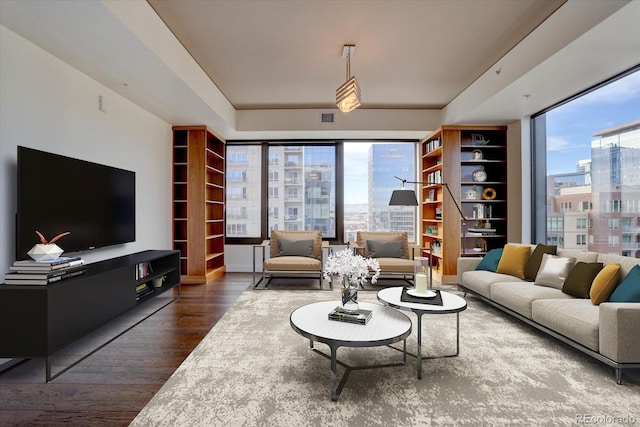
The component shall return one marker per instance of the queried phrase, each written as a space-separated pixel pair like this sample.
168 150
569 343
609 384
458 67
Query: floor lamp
405 197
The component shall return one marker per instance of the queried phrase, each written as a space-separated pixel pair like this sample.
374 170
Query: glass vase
350 296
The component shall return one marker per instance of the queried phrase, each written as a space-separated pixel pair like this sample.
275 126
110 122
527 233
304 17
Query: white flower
355 268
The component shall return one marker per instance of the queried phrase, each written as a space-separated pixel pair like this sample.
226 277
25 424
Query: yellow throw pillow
604 283
514 260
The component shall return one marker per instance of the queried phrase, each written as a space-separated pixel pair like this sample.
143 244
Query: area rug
252 369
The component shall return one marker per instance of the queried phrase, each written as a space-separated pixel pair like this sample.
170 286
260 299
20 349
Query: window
306 187
587 150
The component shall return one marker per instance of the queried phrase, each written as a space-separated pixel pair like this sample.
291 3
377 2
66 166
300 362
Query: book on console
10 280
26 265
36 274
361 317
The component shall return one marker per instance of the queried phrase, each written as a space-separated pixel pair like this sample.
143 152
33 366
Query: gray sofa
608 332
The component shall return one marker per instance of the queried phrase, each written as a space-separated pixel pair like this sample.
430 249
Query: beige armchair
291 254
391 249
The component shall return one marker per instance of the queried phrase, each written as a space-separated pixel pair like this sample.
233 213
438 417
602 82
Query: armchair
392 250
291 254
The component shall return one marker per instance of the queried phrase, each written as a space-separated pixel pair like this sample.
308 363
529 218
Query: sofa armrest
357 249
619 326
467 264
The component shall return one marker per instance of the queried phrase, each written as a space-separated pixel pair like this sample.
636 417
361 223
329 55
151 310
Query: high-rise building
386 162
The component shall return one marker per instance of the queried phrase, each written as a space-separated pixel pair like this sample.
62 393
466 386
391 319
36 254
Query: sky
356 172
571 126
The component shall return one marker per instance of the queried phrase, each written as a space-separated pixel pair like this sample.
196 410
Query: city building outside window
588 150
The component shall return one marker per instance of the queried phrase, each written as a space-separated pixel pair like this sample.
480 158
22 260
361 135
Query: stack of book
28 272
360 317
142 290
481 231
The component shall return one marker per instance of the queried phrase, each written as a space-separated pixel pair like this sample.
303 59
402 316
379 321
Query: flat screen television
94 202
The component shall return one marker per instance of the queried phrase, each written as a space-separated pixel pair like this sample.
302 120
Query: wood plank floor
112 385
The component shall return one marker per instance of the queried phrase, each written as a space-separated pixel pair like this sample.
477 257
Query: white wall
48 105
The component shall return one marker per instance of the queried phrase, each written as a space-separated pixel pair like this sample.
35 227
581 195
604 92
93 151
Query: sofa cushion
554 270
380 249
629 289
480 281
514 259
626 262
577 319
519 296
490 260
579 255
604 283
580 277
296 247
533 264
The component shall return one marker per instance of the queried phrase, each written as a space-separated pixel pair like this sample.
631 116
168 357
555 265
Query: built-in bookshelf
198 202
471 161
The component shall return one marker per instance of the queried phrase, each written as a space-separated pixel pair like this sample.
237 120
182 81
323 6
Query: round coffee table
386 326
450 304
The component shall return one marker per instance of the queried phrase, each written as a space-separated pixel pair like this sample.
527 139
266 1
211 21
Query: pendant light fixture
348 95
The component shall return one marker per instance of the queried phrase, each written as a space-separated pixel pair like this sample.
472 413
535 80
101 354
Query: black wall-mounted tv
95 202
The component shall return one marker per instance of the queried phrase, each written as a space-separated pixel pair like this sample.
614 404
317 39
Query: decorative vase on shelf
45 252
157 282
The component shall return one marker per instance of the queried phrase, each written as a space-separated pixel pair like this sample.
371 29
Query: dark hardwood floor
112 385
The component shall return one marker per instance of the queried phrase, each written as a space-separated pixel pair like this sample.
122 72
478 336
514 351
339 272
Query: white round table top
385 326
451 303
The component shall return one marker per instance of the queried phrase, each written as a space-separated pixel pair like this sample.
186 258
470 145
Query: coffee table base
337 386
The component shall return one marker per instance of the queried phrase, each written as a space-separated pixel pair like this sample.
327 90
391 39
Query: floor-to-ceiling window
587 169
336 187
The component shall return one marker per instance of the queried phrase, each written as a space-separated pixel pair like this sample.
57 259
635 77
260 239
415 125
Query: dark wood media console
37 321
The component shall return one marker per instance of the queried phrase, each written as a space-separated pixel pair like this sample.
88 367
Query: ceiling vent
327 117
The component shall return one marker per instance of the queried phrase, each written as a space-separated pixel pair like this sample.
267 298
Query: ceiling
267 69
409 54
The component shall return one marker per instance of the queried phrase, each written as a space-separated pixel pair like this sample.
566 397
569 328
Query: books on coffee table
360 317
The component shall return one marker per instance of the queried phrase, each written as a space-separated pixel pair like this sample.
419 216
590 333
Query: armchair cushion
382 249
314 235
296 247
383 236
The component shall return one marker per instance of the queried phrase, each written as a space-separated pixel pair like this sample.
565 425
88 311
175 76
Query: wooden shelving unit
198 202
454 155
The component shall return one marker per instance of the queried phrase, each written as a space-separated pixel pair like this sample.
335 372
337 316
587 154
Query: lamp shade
403 198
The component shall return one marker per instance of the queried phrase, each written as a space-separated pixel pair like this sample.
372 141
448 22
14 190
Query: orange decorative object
489 193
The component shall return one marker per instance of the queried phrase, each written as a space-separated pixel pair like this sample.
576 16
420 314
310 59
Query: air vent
327 117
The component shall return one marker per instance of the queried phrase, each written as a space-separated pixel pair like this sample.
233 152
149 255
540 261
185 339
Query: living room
106 81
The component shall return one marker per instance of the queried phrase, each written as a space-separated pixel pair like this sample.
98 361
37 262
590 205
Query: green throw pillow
490 260
629 289
580 278
533 264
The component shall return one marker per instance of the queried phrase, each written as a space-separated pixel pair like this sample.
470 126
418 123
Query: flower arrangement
355 268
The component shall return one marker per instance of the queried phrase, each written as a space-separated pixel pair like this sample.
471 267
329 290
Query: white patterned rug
252 369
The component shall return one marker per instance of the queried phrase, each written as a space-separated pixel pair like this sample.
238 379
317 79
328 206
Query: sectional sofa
607 331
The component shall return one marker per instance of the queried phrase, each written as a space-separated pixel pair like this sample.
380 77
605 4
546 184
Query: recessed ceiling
409 54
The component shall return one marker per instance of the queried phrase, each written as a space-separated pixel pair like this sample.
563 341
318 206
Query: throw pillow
629 289
382 249
533 264
578 283
604 283
490 260
296 247
514 259
554 270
